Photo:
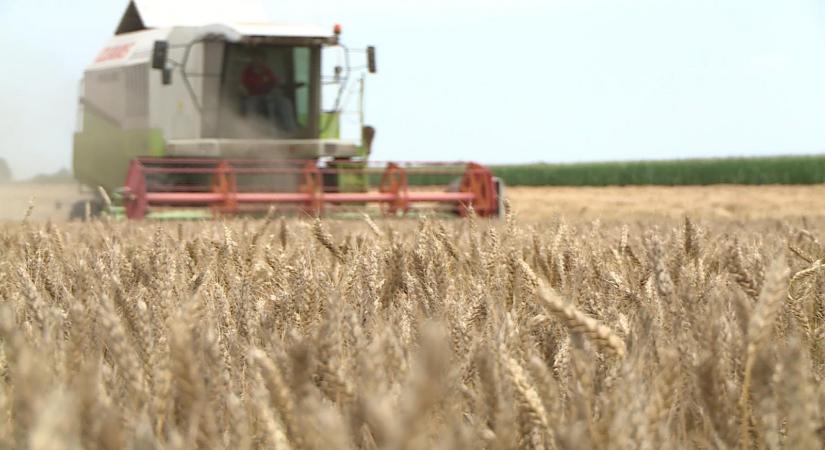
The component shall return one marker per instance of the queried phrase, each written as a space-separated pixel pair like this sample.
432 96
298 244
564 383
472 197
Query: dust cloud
48 201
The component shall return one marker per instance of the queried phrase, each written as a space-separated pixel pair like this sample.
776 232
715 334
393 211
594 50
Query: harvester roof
146 21
247 17
144 14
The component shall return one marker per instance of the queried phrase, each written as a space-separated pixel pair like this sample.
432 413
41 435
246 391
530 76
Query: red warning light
337 29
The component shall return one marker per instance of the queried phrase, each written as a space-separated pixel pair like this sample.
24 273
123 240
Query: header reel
218 187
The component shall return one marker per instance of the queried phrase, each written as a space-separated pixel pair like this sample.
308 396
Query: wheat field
419 334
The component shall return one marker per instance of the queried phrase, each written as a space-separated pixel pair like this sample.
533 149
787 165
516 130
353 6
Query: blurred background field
803 169
767 170
764 170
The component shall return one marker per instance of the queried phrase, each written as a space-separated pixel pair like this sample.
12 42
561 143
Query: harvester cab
183 110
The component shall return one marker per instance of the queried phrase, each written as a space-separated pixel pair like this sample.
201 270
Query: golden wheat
451 334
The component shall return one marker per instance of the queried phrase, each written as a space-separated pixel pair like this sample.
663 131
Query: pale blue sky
496 81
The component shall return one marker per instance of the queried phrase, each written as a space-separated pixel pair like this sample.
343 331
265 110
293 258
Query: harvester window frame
308 130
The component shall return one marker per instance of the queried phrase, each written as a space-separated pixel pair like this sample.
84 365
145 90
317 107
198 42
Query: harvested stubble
461 334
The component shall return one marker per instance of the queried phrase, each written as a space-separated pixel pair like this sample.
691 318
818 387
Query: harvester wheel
394 181
83 209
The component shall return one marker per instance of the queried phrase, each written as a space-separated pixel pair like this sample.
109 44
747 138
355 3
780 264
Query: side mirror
160 51
367 136
166 76
371 59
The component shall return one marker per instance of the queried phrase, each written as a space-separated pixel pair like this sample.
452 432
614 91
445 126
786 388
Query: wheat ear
325 238
575 320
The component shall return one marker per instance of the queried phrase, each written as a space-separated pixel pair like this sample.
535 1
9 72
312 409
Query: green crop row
755 170
767 170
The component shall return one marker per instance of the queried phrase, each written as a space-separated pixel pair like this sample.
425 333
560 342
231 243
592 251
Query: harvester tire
78 211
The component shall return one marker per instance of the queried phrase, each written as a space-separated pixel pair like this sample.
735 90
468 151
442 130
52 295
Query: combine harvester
195 111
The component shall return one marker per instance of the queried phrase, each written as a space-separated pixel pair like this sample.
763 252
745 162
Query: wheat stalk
759 327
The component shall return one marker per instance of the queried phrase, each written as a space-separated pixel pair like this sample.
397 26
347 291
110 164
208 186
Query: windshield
266 92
